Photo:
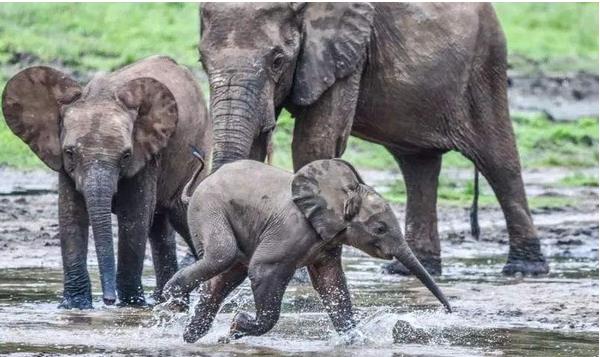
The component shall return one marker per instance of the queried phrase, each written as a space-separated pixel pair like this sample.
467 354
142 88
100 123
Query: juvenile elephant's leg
178 219
268 286
73 231
498 161
211 298
164 255
329 281
135 204
321 130
421 174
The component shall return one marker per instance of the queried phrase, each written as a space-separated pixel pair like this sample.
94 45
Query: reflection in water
555 315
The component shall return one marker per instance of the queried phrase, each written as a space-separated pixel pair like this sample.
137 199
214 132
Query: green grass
559 36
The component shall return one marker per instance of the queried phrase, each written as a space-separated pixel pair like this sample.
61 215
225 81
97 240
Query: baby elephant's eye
381 228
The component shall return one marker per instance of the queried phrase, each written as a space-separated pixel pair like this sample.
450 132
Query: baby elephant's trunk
406 257
187 190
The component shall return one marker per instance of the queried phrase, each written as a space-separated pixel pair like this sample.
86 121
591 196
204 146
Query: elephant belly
413 89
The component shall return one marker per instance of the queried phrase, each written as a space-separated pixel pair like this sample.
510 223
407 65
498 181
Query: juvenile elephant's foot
433 265
526 259
132 301
82 302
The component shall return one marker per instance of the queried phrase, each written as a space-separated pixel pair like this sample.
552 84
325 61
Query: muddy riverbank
554 315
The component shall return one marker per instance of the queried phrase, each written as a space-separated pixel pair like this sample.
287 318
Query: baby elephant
119 145
255 220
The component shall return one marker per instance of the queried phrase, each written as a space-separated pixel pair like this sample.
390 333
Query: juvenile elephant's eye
69 152
277 62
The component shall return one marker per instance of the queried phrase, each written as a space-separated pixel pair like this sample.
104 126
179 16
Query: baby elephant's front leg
268 286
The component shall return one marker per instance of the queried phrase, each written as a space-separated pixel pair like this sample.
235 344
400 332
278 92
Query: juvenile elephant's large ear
326 191
335 44
31 104
156 120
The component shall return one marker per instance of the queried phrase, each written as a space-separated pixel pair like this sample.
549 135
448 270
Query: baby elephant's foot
242 324
174 299
195 330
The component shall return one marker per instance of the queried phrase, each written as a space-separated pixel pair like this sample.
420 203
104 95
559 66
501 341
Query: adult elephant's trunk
99 186
236 120
406 257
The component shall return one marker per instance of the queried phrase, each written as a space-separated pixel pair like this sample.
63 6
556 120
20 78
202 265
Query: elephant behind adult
419 78
120 144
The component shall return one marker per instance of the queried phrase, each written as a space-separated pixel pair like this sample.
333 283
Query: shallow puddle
555 315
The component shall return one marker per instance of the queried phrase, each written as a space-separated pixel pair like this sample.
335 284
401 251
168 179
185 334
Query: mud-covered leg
421 174
135 204
178 220
329 281
211 298
164 255
269 281
73 232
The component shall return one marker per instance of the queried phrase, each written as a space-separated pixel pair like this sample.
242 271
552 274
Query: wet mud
553 315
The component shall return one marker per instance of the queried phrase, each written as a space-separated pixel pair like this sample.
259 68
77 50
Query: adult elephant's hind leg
164 255
489 141
421 174
498 161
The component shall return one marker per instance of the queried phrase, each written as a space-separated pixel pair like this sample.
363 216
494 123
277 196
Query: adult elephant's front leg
421 174
135 206
321 130
73 231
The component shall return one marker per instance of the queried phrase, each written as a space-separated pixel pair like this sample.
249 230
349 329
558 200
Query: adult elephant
419 79
120 144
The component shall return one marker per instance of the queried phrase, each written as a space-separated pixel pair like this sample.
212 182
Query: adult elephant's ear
31 103
335 45
156 119
328 194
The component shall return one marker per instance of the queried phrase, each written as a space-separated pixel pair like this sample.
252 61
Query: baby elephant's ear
156 120
31 103
326 193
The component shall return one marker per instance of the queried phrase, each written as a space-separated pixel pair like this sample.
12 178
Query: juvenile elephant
120 144
267 231
418 78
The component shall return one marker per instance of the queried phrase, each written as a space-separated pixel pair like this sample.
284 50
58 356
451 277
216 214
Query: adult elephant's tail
475 231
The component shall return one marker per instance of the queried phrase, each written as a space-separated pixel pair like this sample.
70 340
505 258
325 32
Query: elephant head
339 205
96 135
260 57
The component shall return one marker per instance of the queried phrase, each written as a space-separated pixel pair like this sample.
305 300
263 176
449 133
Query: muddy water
555 315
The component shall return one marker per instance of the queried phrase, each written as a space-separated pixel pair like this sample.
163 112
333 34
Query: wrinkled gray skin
420 79
267 232
120 144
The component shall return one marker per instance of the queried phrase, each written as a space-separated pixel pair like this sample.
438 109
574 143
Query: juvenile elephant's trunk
99 186
406 257
235 117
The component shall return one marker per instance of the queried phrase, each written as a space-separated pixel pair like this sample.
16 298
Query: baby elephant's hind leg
213 294
268 286
220 254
